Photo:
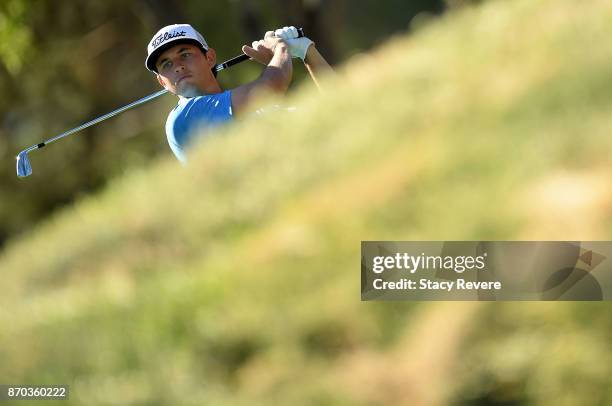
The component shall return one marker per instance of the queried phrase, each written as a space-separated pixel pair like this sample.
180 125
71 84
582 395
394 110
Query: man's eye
186 54
166 65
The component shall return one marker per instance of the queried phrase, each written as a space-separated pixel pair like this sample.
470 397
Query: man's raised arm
304 49
276 77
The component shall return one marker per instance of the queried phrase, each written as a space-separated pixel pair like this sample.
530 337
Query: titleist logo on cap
157 41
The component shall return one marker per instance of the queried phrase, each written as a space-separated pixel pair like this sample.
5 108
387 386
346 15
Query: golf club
24 168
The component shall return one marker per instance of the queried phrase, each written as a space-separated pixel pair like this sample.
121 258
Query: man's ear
211 57
161 81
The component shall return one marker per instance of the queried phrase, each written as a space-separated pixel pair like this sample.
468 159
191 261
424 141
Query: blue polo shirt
195 116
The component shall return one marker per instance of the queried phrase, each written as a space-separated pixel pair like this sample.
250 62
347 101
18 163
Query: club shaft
104 117
231 62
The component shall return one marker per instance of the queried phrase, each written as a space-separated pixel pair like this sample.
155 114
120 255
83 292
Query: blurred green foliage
236 281
17 39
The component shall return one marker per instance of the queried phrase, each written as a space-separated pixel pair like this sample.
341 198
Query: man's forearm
279 71
315 61
275 77
316 65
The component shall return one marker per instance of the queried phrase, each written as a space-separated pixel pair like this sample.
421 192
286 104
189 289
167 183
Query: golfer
183 62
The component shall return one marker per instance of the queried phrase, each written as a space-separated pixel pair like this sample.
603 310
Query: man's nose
179 67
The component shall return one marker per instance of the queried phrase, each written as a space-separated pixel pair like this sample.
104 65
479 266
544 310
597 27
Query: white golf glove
297 46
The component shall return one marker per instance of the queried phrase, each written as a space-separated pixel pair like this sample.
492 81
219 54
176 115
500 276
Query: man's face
184 69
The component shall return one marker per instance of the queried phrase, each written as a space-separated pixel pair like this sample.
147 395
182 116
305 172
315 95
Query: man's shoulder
212 108
214 96
216 100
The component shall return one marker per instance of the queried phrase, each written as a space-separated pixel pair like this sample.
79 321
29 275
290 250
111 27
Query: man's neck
210 88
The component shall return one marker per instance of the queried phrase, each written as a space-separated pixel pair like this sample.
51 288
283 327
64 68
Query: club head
23 165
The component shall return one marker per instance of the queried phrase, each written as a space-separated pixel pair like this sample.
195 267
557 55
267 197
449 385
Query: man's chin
188 90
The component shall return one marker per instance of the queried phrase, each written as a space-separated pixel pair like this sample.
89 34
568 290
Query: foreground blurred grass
237 281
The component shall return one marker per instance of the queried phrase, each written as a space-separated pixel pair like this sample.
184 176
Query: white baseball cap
167 37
